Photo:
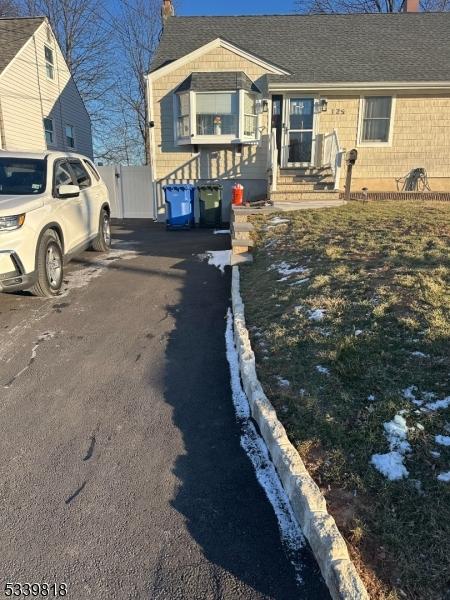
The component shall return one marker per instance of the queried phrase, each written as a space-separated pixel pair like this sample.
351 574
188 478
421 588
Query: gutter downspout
150 143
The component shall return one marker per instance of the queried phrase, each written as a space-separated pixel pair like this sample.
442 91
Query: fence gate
130 191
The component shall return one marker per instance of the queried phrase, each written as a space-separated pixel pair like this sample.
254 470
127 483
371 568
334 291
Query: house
275 101
40 106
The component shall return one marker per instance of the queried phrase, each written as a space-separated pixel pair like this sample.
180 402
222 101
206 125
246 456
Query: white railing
332 155
273 160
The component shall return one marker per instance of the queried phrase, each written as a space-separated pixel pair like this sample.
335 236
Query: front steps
306 184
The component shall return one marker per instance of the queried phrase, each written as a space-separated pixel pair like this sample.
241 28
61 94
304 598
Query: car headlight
11 223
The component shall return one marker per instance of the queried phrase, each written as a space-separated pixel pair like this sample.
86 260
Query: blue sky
233 7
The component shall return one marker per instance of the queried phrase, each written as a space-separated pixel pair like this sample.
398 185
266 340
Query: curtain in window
377 116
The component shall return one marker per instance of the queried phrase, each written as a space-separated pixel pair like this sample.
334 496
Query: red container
237 194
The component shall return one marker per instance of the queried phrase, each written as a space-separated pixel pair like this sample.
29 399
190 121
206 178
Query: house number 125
337 111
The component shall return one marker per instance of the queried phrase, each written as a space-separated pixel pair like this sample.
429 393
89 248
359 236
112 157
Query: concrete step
299 196
248 242
241 227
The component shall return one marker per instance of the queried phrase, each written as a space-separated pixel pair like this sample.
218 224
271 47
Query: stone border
306 499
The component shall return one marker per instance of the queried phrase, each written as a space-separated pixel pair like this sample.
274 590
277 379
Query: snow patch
299 281
444 477
282 382
221 231
286 270
419 354
371 398
256 450
323 370
217 258
391 464
439 404
278 221
442 440
317 314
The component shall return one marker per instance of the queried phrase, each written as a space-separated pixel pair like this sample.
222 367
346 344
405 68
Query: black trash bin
210 201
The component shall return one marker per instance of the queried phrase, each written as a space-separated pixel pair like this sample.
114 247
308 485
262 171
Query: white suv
52 206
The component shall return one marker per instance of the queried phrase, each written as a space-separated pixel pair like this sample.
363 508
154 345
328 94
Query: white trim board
361 85
217 43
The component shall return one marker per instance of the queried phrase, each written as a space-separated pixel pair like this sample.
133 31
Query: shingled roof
409 47
14 33
218 81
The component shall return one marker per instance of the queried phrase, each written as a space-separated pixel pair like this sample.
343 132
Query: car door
70 212
88 196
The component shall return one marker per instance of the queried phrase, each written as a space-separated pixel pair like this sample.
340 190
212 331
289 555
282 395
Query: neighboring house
40 106
268 99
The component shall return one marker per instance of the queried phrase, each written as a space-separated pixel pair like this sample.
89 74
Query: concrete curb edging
307 501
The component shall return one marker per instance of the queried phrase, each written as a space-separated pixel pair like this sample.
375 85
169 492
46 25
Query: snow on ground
442 440
282 382
278 221
419 354
299 281
317 314
435 454
221 231
428 403
371 398
323 370
444 477
217 258
391 464
439 404
256 450
286 270
81 277
358 332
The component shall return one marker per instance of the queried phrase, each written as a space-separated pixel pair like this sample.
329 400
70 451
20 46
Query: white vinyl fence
130 191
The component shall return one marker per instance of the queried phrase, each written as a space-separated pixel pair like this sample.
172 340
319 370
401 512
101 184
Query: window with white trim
183 119
49 131
217 113
70 136
376 119
49 62
250 115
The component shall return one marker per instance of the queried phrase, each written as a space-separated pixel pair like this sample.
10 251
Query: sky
233 7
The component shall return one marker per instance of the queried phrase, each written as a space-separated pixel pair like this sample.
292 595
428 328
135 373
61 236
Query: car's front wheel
102 242
50 266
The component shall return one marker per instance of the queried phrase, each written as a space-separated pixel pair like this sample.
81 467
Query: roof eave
278 86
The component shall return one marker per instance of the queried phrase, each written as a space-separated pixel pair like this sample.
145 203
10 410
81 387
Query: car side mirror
68 191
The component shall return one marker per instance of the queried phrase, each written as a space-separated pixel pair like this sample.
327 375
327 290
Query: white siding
27 96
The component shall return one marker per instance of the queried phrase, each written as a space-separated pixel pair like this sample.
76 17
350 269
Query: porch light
265 105
324 104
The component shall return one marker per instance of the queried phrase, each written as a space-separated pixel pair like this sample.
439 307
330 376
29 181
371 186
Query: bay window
216 113
216 108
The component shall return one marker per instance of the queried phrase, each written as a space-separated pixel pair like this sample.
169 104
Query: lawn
349 314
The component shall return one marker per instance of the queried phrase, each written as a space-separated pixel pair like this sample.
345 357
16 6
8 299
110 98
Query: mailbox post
351 157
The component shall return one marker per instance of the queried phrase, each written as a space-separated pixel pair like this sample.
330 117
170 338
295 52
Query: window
70 136
81 175
49 62
376 120
183 126
250 116
49 131
217 113
63 175
92 170
22 176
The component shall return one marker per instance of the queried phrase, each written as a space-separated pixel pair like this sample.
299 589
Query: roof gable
14 34
218 82
324 48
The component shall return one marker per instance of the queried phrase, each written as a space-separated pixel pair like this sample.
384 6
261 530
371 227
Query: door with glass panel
299 132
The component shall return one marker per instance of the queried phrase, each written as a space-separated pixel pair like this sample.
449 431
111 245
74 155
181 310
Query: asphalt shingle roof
217 81
325 48
13 35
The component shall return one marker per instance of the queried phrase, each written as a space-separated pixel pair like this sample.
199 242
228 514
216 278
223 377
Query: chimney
411 6
167 10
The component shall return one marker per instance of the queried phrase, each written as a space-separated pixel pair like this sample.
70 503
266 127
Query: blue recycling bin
179 206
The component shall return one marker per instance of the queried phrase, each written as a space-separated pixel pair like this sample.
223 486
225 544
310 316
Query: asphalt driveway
121 472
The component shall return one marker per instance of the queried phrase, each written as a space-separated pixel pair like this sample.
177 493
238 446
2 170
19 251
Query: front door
298 132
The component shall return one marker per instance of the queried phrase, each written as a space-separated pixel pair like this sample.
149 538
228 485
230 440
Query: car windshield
21 176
